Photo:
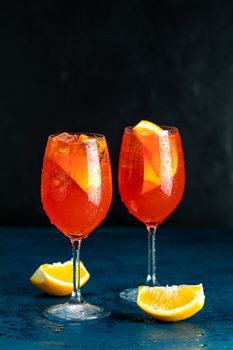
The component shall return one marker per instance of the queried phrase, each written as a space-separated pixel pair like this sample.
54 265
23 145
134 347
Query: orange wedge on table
171 304
56 279
74 156
159 154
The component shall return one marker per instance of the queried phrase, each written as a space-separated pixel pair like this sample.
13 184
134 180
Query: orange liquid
76 185
151 175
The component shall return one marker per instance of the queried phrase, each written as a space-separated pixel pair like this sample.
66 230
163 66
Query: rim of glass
95 135
168 128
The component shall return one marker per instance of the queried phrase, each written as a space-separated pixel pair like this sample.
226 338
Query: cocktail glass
151 180
76 190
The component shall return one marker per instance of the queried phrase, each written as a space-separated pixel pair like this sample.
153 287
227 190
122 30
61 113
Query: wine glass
76 191
151 180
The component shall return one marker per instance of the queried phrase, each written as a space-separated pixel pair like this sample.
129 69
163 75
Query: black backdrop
99 66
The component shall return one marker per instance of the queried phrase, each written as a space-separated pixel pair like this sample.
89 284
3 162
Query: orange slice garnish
159 154
77 158
145 128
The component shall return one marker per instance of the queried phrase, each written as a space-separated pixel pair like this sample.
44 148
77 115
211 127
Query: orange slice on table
77 159
171 304
159 153
56 279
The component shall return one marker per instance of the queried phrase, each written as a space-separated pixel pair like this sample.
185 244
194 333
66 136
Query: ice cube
60 182
66 137
62 143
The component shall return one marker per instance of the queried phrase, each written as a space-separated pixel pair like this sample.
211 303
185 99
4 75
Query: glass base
70 312
129 295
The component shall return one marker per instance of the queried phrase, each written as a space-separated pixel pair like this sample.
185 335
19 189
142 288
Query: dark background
99 66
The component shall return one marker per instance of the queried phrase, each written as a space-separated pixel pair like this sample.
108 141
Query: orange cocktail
151 173
76 190
76 182
151 179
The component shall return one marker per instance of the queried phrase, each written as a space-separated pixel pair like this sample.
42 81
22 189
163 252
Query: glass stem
76 296
151 279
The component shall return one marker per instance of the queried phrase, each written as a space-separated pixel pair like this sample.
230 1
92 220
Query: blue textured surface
116 259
